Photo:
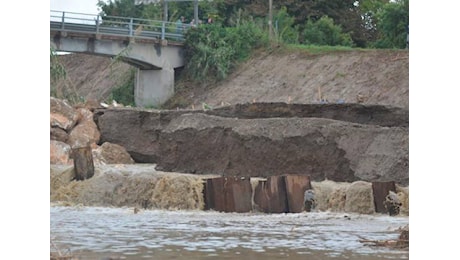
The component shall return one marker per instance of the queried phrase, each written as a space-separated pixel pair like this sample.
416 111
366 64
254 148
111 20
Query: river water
120 233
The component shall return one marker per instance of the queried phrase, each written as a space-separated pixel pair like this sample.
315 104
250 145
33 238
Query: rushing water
119 233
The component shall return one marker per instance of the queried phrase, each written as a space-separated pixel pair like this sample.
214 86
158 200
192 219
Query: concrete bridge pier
153 87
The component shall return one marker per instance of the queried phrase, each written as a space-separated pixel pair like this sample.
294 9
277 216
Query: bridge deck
111 27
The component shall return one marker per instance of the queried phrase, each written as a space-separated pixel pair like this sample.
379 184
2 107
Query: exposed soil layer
323 141
295 76
266 118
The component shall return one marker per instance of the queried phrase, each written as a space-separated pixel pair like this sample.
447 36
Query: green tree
325 32
155 11
369 10
284 27
122 8
393 25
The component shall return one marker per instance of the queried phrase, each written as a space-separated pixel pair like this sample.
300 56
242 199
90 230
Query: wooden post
271 197
238 194
296 185
380 190
214 194
228 194
261 197
83 163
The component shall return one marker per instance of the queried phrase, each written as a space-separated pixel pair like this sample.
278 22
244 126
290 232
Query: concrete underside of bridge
153 87
154 83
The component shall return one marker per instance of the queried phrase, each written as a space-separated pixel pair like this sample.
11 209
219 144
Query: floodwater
119 233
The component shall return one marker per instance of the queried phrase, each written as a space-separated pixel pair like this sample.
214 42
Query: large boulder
58 134
62 114
109 153
325 144
85 133
60 153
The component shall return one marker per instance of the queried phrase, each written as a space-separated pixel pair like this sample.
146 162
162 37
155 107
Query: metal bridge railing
116 26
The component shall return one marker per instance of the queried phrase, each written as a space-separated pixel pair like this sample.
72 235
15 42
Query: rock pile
73 127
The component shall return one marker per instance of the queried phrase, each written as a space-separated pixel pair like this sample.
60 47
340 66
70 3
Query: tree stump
83 163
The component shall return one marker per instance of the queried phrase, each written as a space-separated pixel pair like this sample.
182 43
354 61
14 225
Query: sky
77 6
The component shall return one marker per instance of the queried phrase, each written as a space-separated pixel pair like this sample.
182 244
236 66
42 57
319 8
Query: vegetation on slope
239 28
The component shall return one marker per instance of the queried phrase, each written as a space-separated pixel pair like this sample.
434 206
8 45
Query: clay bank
339 142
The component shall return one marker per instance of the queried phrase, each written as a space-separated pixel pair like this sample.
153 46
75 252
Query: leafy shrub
325 32
211 50
124 92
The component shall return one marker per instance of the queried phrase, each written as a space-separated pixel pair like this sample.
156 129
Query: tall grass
212 51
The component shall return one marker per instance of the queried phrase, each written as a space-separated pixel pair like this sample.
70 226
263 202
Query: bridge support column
153 87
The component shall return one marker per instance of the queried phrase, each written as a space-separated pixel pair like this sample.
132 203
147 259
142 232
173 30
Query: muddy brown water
119 233
95 219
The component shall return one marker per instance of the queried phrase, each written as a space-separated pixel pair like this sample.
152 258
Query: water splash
142 186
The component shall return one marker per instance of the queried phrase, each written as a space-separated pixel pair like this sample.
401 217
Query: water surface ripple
101 233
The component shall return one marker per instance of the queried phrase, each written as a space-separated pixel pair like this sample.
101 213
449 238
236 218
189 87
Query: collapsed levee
339 143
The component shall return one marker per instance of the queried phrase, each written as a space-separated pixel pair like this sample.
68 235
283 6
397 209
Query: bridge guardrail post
131 27
97 24
63 20
114 26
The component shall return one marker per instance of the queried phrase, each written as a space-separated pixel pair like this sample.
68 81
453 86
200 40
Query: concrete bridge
154 47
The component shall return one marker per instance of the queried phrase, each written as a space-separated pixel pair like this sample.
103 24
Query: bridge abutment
153 87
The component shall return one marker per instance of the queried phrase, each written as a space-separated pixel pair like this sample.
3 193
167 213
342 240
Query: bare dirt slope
91 77
375 76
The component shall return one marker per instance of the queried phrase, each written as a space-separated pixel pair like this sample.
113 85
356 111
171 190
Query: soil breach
340 142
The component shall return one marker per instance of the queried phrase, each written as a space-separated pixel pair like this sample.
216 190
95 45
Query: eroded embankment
141 186
340 142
